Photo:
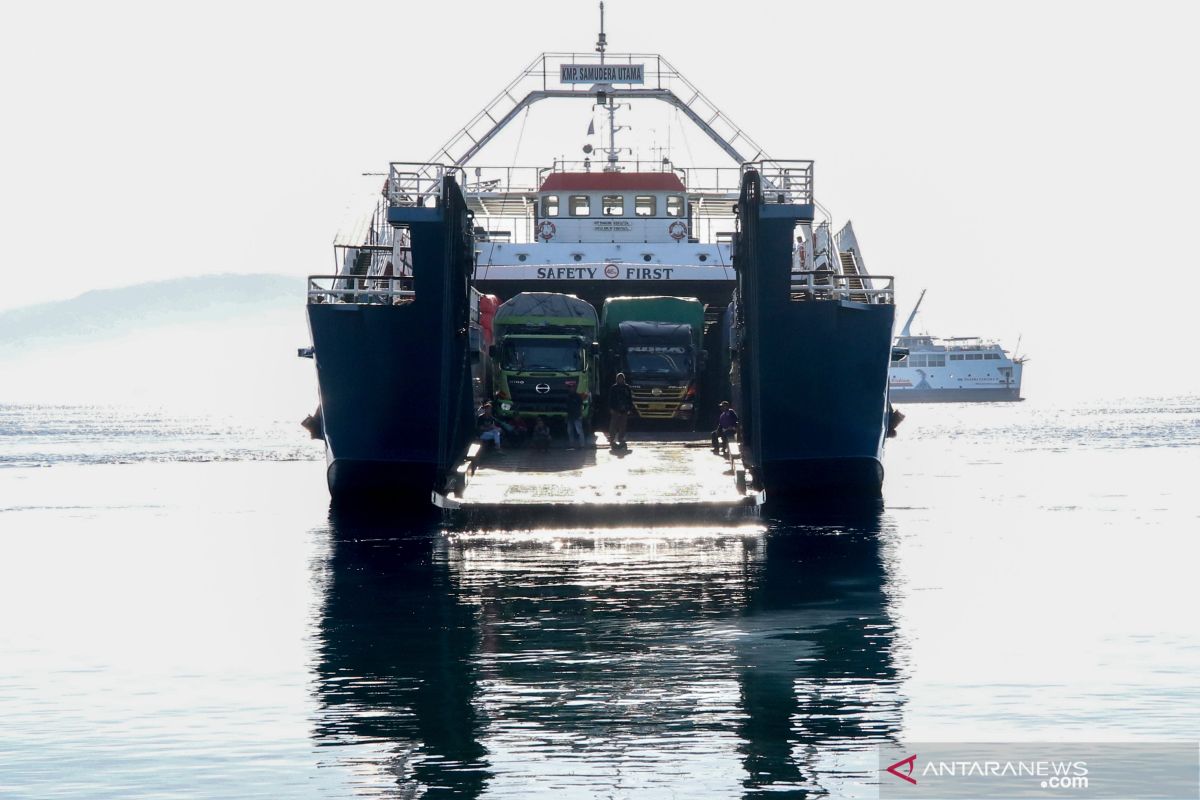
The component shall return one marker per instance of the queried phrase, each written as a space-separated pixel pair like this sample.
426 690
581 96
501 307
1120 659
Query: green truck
544 350
657 342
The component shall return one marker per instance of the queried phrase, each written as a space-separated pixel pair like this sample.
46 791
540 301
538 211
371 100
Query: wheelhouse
612 206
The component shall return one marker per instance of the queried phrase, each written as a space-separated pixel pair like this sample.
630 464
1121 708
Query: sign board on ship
602 73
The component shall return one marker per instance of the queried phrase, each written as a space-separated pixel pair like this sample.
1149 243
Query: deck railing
360 290
417 184
830 285
784 181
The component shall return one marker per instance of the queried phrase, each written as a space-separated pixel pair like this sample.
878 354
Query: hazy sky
1032 164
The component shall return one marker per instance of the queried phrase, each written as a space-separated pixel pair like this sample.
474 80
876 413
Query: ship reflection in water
685 662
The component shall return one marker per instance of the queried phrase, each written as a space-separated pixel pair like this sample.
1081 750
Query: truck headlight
685 406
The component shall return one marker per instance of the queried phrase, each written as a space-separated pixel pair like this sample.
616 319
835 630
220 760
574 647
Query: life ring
677 230
547 229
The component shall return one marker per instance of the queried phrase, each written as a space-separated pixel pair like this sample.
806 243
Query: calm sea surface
182 617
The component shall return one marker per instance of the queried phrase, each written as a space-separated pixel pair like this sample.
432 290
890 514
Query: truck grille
658 406
528 400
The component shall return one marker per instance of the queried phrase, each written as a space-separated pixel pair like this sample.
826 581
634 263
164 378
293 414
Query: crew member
620 405
489 429
575 419
727 426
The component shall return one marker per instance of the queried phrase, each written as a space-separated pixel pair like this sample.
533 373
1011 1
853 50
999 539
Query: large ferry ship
797 333
954 369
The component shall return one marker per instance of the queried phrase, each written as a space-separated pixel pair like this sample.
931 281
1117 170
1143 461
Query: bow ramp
655 476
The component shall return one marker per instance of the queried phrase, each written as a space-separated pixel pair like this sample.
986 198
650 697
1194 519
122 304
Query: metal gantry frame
540 81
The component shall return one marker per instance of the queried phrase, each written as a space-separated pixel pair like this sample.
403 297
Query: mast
908 323
607 102
602 42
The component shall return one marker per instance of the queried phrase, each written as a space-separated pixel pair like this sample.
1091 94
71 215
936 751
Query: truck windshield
541 355
672 362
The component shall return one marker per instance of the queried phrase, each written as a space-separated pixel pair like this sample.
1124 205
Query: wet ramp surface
649 472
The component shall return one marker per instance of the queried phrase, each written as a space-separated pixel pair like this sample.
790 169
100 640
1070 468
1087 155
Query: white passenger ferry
954 369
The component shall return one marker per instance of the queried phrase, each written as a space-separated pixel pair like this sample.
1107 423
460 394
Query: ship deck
668 475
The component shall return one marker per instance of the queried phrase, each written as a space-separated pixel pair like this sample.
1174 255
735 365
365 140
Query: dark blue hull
395 378
818 415
381 388
814 370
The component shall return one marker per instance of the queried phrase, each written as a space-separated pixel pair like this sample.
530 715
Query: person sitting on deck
489 429
541 435
727 426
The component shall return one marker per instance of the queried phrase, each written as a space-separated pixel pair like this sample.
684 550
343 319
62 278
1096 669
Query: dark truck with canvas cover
656 342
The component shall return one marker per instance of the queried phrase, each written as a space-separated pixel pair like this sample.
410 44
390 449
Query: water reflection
395 678
693 661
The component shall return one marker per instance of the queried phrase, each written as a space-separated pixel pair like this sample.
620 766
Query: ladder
852 274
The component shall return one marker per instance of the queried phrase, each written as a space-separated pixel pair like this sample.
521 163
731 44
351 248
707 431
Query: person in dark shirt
727 426
575 419
620 405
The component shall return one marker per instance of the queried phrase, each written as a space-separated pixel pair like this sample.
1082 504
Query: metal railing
417 184
407 180
543 75
360 291
829 285
784 181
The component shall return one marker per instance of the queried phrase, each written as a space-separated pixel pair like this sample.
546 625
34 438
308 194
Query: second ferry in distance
952 370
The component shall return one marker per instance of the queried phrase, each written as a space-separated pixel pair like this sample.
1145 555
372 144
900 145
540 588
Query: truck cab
656 343
544 351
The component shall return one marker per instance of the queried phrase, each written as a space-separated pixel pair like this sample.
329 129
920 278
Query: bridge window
956 358
550 205
614 205
581 205
644 205
674 205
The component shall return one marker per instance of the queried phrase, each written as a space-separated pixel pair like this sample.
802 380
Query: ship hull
819 420
371 391
813 370
902 396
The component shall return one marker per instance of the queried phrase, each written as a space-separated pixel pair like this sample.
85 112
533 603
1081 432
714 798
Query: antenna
602 42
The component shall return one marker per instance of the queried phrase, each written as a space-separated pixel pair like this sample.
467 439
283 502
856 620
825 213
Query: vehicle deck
672 474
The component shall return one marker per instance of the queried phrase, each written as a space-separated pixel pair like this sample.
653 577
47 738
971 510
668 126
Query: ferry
797 333
953 369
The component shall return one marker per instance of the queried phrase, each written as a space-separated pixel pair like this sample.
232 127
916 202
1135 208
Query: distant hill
106 313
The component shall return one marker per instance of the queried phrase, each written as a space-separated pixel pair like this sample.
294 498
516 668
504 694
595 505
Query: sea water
181 615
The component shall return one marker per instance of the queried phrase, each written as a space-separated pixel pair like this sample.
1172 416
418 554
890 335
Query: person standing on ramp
620 406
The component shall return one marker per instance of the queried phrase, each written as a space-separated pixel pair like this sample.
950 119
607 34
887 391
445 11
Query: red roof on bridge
612 181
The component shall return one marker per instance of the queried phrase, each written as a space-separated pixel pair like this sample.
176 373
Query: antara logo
910 763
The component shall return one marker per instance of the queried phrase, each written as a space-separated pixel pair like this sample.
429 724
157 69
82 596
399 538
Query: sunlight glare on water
187 618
